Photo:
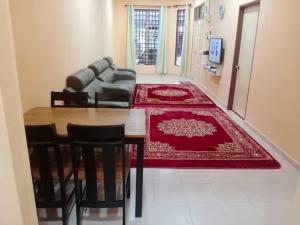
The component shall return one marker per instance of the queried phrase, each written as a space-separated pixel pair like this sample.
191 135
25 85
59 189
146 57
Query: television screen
215 50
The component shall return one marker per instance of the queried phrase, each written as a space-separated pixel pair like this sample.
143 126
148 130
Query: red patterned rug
197 138
169 95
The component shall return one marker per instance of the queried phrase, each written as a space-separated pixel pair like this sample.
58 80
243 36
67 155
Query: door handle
237 67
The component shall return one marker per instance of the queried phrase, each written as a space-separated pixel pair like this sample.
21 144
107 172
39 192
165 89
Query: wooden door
243 64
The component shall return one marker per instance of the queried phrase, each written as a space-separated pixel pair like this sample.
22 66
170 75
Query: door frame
237 52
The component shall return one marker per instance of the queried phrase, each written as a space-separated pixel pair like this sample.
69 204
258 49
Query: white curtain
131 58
185 44
161 59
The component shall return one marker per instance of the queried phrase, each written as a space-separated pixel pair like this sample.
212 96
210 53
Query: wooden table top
134 119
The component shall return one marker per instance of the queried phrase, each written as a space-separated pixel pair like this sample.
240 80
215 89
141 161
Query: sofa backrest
79 80
107 75
103 71
99 66
110 62
84 80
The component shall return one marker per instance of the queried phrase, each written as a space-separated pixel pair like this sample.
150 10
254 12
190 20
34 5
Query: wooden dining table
135 130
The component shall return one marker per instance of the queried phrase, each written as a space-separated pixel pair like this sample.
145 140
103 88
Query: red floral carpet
203 137
169 95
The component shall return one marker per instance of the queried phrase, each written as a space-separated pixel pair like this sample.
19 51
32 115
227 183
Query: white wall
274 93
17 205
55 39
226 28
273 105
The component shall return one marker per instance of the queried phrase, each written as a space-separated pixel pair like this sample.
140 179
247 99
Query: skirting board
222 105
284 154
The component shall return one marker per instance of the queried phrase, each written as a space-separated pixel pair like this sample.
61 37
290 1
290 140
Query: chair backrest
93 143
69 99
112 96
45 160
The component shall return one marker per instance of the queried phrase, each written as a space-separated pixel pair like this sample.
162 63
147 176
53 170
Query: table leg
139 179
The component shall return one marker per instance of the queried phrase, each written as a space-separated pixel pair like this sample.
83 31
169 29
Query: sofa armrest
126 69
124 76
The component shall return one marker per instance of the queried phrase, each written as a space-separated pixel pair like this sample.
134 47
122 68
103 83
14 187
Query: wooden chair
51 170
102 163
69 99
104 100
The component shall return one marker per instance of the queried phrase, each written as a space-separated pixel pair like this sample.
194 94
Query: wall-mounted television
215 50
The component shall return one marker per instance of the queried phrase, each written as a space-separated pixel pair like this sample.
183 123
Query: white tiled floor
211 196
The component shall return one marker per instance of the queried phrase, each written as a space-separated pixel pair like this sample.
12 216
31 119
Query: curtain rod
152 6
190 5
169 6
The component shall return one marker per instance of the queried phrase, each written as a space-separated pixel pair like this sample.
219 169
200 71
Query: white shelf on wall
213 71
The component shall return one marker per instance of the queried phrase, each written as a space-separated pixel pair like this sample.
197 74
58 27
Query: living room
43 43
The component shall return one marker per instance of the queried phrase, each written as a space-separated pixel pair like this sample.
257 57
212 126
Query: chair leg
64 216
78 215
39 188
124 213
128 186
80 188
78 192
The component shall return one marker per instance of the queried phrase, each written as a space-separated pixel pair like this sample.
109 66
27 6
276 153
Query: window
146 25
179 36
199 12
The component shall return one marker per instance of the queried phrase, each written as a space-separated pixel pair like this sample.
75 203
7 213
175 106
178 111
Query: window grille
179 36
146 25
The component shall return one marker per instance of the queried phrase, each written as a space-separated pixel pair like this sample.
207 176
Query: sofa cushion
79 80
107 76
99 66
93 87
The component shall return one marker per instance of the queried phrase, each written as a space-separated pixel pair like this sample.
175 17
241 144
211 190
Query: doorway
197 42
243 59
